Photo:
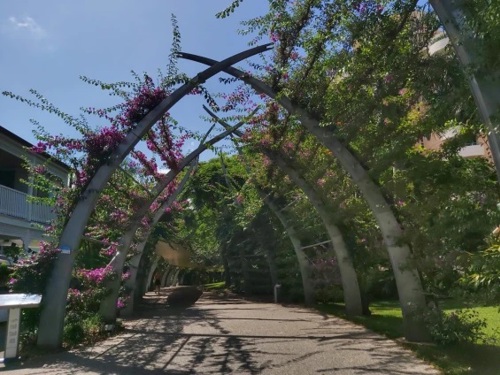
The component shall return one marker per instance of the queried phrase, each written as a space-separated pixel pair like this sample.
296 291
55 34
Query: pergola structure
54 305
408 281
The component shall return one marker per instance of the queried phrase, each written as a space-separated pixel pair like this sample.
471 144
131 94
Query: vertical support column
276 290
12 339
164 277
175 278
29 205
130 284
26 241
151 272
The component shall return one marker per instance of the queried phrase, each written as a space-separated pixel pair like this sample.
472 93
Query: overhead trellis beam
316 244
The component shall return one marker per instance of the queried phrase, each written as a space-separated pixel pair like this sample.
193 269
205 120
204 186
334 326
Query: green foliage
457 327
5 273
78 330
31 276
82 323
90 255
329 294
230 9
215 286
12 251
482 21
482 276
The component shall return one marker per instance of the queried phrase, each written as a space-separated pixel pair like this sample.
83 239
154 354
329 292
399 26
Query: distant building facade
479 146
21 221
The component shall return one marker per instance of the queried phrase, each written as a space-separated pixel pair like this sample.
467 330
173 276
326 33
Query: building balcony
438 43
16 204
472 151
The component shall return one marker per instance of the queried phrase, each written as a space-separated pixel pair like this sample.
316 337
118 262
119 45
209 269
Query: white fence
15 203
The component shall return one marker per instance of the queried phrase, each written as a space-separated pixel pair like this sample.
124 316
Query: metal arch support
408 281
108 305
152 270
54 301
485 90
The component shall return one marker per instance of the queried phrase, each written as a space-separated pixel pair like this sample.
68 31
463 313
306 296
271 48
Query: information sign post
14 303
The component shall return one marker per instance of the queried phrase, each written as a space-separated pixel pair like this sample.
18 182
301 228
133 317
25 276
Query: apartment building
477 147
22 222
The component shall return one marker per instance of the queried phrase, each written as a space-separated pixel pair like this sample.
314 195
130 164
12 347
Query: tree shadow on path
233 338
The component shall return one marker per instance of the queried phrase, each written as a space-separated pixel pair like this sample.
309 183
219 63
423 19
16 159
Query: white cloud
27 25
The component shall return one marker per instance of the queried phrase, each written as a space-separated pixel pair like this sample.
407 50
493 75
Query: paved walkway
232 336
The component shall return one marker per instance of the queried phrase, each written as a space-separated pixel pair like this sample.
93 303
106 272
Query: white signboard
19 300
12 333
14 303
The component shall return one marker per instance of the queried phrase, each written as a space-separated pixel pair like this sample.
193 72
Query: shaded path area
233 336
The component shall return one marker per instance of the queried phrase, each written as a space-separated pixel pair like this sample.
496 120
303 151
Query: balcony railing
472 151
15 203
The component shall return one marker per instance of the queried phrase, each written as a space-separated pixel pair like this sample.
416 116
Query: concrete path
232 336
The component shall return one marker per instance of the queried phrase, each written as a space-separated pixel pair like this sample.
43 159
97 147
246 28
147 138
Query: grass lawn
478 359
215 286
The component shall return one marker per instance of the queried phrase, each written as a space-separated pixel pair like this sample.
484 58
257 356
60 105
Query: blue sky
46 45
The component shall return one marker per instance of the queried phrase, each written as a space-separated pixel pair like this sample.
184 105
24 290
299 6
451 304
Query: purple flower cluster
147 98
121 303
102 143
96 276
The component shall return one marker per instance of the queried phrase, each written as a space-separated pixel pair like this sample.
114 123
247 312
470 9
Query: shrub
482 277
329 294
30 276
82 323
73 331
458 327
78 330
5 273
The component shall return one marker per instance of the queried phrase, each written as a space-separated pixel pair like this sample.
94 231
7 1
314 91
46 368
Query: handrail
16 204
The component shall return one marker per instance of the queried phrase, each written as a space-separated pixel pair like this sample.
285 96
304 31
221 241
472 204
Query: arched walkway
233 336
